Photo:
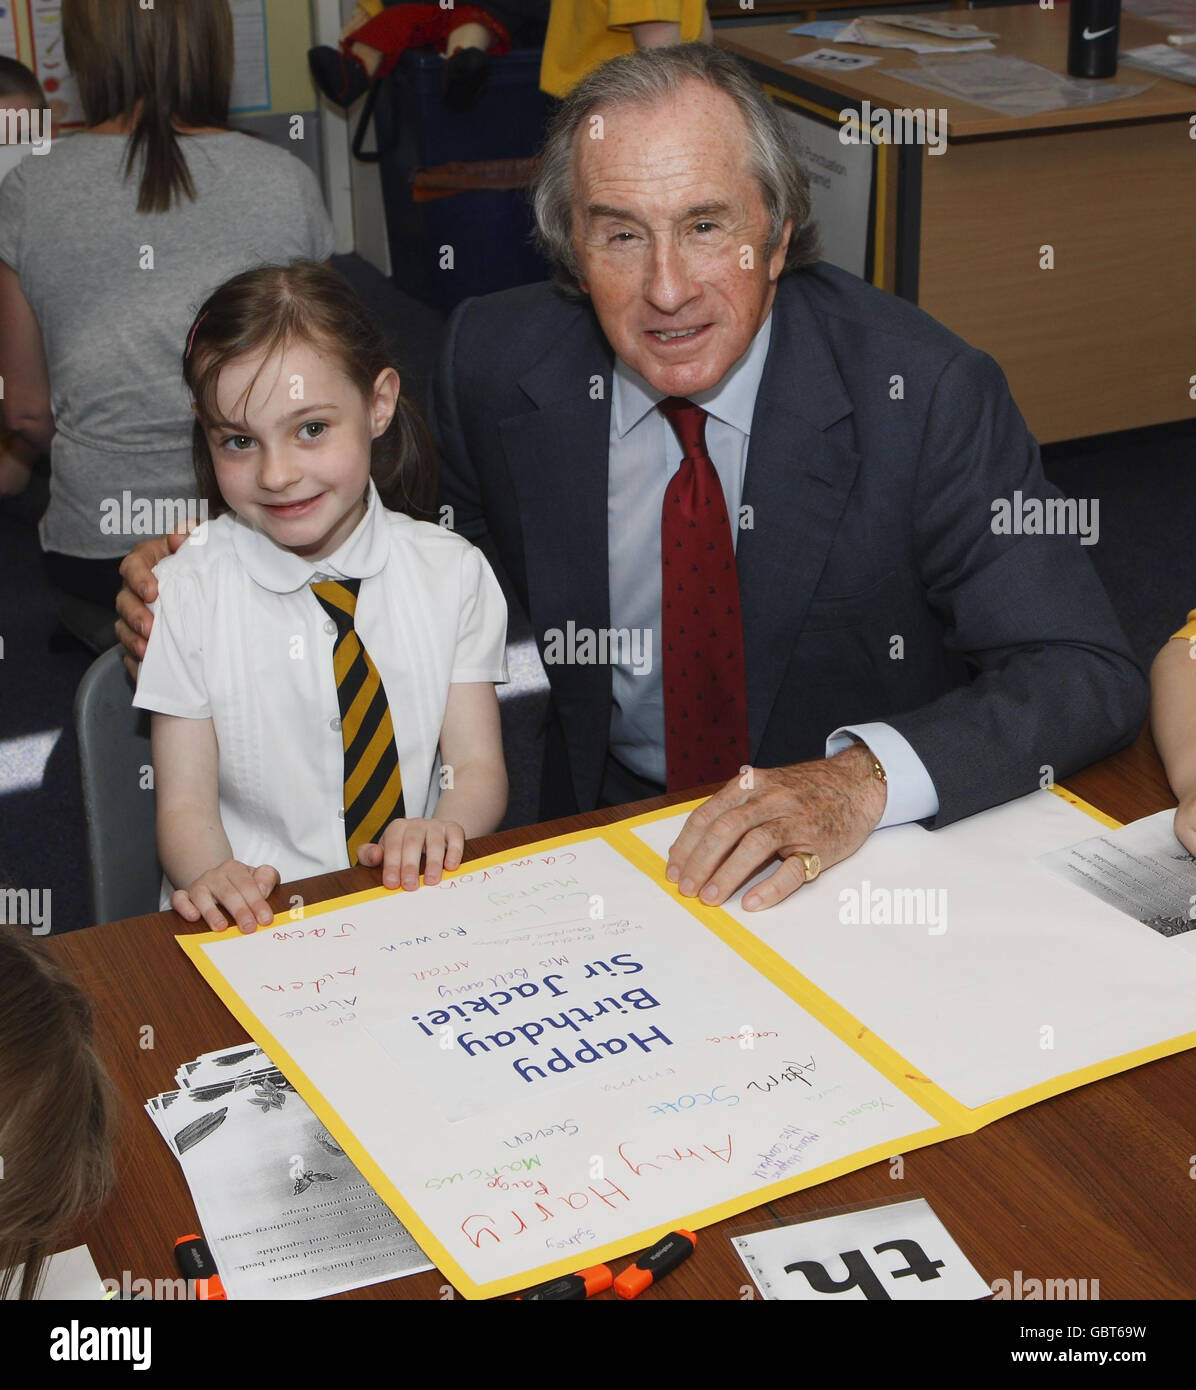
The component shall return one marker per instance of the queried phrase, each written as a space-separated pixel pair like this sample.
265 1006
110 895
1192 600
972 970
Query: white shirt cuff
911 793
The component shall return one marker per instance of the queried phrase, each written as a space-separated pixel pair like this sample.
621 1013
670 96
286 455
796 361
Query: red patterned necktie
705 687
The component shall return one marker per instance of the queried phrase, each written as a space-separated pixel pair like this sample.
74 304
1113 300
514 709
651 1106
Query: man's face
669 229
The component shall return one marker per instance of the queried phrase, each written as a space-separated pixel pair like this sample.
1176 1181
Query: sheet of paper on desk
1179 64
285 1213
549 1055
1013 86
917 33
69 1275
832 60
819 29
988 973
900 1251
1142 870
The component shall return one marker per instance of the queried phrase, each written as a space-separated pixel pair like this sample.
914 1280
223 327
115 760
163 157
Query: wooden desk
1100 342
1093 1184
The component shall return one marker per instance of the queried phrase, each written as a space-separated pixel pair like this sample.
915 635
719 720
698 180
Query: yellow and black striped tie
373 781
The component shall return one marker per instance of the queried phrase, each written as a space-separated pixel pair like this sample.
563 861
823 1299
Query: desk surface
1026 32
1093 1184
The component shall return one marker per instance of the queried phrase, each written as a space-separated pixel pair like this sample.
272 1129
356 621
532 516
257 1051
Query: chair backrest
124 877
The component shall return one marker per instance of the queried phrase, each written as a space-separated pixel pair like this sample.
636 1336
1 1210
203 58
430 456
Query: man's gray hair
643 78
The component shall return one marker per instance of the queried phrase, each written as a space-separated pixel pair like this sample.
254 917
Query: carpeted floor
1144 482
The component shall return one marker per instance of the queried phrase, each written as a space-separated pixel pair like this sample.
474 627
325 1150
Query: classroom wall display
9 45
44 19
551 1059
251 87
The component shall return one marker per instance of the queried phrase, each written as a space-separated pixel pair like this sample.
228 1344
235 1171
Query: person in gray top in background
108 242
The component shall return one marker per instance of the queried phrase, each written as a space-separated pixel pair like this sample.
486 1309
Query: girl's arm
192 846
1173 716
23 366
471 804
471 746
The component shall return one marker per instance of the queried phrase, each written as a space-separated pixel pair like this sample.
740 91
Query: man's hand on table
828 808
137 570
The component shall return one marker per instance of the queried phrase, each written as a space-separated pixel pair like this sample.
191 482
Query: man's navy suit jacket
872 582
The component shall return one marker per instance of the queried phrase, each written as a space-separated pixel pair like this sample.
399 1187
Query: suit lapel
557 453
797 481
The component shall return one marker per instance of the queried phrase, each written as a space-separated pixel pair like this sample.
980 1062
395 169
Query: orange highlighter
195 1262
654 1264
586 1283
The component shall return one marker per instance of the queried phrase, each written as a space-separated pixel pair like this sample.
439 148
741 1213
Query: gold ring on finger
811 866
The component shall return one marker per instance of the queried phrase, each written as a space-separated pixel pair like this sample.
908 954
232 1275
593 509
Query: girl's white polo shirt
239 637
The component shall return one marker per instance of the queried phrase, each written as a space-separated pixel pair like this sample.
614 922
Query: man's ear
776 262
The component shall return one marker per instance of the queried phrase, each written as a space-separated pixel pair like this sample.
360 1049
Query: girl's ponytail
154 65
164 168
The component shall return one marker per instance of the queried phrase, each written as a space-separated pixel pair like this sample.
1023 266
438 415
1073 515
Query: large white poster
550 1061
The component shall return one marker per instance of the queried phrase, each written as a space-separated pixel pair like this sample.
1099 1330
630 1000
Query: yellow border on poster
954 1119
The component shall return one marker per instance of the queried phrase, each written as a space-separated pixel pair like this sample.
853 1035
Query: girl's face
293 457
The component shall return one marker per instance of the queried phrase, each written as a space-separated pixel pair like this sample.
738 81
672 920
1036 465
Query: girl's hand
234 886
441 842
1185 823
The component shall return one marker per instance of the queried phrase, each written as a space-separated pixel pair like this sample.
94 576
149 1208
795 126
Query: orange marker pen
596 1279
654 1264
195 1262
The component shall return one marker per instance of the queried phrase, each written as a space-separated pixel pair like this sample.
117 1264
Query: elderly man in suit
757 510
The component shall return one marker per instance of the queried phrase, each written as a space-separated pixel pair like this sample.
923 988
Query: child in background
1173 717
314 655
25 115
56 1111
22 105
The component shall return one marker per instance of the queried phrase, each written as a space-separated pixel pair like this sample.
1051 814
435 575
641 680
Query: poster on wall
8 31
49 62
251 70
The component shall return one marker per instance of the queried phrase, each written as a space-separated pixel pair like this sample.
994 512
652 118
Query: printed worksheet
284 1211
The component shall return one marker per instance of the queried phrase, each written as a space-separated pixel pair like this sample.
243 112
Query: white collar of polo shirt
732 400
362 554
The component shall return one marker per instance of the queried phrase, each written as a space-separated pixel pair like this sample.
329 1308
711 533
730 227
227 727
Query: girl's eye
317 425
238 443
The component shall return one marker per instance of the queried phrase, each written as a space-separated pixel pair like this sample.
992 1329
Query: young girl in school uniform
321 666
